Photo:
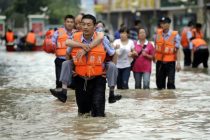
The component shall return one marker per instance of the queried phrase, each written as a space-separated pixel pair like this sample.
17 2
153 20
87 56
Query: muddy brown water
28 111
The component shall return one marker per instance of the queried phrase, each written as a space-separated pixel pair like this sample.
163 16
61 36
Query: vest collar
86 41
167 34
69 33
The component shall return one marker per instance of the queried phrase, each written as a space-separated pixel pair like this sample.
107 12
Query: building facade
115 12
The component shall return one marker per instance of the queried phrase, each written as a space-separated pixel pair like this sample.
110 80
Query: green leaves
56 9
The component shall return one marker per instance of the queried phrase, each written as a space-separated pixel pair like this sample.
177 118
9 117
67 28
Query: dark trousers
200 56
58 66
123 78
165 70
90 95
187 56
29 46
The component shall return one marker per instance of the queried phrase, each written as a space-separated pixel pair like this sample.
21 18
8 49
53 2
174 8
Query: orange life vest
198 42
48 45
61 42
184 39
197 34
90 64
31 38
165 49
10 37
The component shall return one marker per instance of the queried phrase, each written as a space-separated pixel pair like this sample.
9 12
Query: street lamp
44 9
134 8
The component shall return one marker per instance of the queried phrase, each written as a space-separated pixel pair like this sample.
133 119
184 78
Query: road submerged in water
28 111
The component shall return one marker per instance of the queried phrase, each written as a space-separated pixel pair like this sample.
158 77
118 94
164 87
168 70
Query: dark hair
68 16
137 21
101 23
165 20
55 29
82 14
124 29
122 25
190 23
88 16
198 25
192 38
145 29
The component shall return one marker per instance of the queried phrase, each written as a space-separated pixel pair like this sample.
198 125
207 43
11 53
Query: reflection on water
28 111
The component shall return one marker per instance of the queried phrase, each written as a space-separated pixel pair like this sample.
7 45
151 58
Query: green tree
17 11
59 8
27 7
6 7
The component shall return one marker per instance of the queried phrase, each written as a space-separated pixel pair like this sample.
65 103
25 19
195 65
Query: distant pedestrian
125 50
143 57
48 45
200 52
10 40
30 40
59 41
117 33
196 32
185 41
133 33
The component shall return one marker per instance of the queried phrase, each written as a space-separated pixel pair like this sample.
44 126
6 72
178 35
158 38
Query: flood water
29 112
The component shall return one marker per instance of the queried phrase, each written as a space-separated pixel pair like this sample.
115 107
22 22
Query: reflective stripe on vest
61 42
90 64
165 49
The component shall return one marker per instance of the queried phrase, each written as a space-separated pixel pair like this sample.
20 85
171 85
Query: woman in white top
124 48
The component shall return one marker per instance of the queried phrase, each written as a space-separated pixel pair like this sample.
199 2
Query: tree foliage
27 7
6 7
57 9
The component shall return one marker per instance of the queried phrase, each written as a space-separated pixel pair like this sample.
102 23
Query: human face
78 21
164 25
124 36
69 24
88 27
142 34
100 25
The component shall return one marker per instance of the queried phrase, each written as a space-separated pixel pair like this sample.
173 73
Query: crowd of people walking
86 58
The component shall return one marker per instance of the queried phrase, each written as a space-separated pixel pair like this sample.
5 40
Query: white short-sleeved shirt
123 60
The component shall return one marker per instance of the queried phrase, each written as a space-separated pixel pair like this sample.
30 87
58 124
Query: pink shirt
143 64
